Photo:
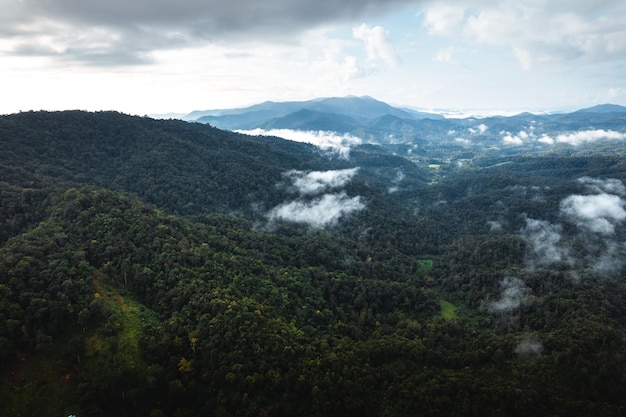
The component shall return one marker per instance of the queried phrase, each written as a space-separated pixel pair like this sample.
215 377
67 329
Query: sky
157 56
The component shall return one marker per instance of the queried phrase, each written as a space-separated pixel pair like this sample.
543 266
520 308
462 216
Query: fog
319 201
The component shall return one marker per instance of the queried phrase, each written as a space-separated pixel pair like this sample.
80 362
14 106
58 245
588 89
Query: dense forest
164 268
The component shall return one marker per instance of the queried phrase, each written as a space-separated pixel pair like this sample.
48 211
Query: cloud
445 55
141 26
609 185
546 139
444 19
98 45
594 244
519 138
597 217
318 213
510 139
480 129
327 141
570 138
598 213
539 32
316 182
312 208
529 347
334 65
494 226
544 243
211 17
395 183
611 259
463 141
587 136
377 44
342 60
513 294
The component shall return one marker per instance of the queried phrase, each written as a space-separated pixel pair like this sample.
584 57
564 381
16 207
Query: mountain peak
604 108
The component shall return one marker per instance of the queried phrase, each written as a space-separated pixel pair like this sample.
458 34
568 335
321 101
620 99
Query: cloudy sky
156 56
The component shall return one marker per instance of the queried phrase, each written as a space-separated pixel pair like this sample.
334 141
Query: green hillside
161 268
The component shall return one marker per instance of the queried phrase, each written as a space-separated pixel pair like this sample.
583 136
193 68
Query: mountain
359 108
307 119
268 108
379 123
166 268
356 108
604 108
244 118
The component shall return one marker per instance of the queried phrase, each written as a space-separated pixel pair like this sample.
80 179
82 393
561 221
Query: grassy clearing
425 264
121 349
448 310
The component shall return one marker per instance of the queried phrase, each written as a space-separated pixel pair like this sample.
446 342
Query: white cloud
335 66
445 55
597 217
586 136
318 213
396 182
612 94
513 294
571 138
597 213
546 139
611 259
519 138
595 245
316 182
529 347
537 32
327 141
494 226
444 19
480 129
511 139
377 44
609 185
343 60
323 210
544 243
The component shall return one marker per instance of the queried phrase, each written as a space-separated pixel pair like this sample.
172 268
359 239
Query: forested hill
182 167
186 168
163 268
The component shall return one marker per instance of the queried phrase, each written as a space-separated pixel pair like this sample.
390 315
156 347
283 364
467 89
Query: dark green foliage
138 278
184 168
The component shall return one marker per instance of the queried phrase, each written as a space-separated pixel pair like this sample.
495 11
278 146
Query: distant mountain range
379 123
351 110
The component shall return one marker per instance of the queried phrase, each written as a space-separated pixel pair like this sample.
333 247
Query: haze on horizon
150 57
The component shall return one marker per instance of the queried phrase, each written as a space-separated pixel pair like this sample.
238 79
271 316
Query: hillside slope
185 168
